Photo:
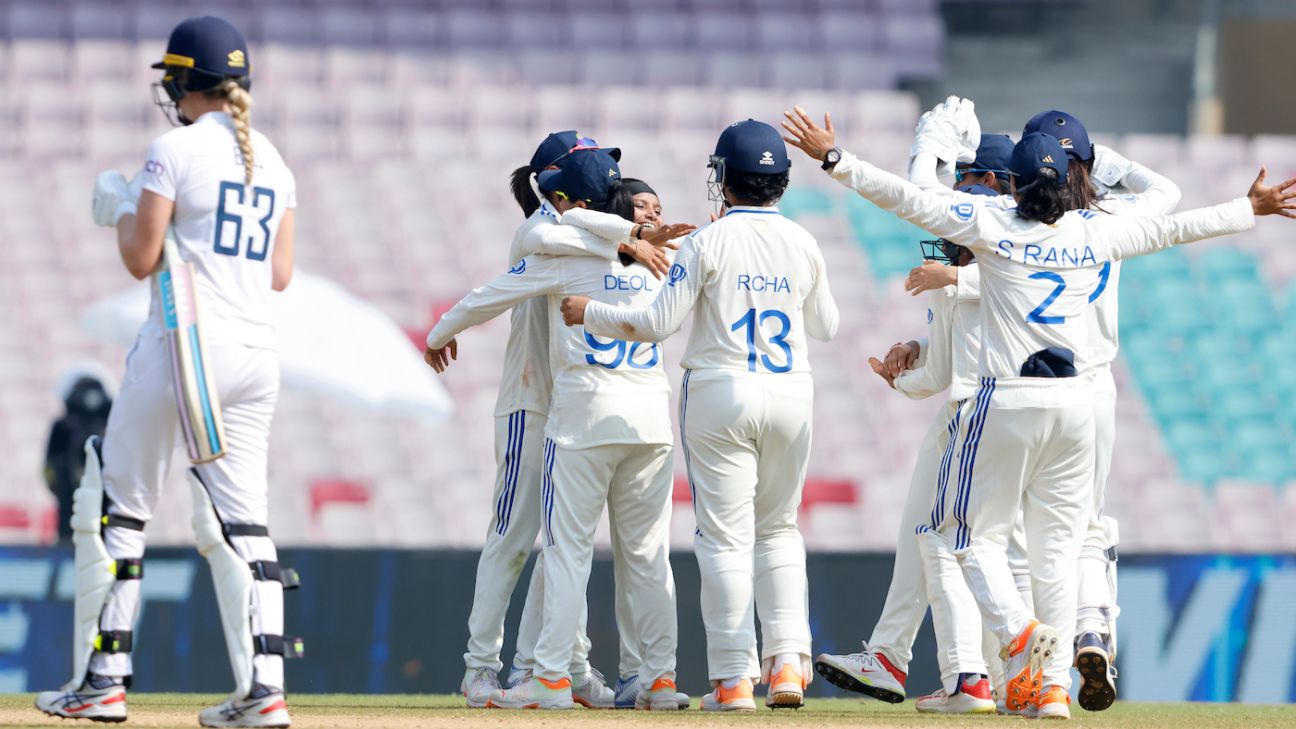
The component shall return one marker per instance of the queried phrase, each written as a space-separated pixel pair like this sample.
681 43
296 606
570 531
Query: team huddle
1003 534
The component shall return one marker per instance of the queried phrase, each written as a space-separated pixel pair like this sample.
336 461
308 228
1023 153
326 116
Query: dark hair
520 186
1003 183
1044 200
747 188
620 201
1080 186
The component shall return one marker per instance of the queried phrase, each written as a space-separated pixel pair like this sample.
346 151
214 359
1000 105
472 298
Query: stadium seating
401 125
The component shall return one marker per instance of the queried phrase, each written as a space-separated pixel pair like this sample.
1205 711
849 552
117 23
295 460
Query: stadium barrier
1199 628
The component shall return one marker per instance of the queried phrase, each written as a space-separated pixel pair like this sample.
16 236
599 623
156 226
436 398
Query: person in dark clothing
87 402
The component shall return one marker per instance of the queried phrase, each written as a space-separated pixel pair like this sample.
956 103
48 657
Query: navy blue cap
207 44
1068 130
585 175
994 153
1036 151
754 147
553 148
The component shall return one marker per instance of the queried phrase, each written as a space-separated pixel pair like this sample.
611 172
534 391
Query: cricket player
1107 182
881 668
521 410
758 287
225 192
607 440
1029 440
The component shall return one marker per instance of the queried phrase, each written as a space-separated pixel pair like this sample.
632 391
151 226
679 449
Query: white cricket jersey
527 381
1035 278
1147 194
949 356
604 390
760 286
226 229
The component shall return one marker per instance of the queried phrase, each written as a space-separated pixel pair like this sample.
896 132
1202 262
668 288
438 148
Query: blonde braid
240 102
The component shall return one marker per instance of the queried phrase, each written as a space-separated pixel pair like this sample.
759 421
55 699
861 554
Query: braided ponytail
240 102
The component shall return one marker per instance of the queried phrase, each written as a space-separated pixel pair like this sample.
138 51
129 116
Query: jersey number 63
229 225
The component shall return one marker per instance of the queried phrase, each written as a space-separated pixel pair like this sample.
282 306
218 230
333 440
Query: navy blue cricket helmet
201 54
750 146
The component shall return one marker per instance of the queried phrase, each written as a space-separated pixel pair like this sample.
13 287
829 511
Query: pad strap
271 572
113 641
245 530
129 569
124 522
1111 554
287 646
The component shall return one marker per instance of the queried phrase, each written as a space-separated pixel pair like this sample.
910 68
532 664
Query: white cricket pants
635 481
519 459
1097 604
746 447
925 567
1037 461
142 436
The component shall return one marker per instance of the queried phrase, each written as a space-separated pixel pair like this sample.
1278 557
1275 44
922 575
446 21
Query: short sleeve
161 171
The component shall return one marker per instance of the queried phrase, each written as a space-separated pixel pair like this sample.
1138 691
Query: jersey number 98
229 226
622 352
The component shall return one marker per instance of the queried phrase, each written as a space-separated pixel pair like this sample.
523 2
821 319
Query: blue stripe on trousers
971 445
942 480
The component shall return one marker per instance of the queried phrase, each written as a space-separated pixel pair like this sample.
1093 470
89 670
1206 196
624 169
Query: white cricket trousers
635 481
1037 462
143 435
926 568
1097 609
514 525
746 446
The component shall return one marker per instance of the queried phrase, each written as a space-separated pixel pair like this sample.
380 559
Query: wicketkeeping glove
950 131
1109 166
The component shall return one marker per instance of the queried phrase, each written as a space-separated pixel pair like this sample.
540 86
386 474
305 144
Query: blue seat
799 201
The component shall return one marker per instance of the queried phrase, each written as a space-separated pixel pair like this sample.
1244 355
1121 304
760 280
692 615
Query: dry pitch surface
349 710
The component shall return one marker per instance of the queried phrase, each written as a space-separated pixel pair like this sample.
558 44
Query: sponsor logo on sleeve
677 273
520 268
963 211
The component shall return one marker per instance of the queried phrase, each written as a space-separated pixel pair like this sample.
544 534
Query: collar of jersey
214 117
772 210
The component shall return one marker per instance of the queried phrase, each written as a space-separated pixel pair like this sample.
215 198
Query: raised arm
651 323
1125 237
1149 193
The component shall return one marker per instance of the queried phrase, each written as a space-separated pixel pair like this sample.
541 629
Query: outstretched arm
535 276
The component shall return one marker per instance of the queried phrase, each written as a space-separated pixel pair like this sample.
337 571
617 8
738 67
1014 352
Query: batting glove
114 197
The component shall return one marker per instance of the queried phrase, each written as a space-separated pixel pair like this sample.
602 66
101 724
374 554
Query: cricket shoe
589 690
738 698
1054 703
1097 674
868 672
971 697
477 686
516 676
264 707
536 693
786 688
661 696
628 692
99 699
1024 658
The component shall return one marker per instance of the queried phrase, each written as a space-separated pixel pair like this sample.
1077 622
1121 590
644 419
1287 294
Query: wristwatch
831 158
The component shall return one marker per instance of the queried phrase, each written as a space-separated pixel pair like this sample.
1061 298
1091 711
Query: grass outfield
367 710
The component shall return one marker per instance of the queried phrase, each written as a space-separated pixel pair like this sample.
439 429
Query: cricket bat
194 382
